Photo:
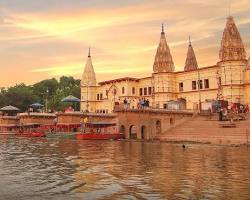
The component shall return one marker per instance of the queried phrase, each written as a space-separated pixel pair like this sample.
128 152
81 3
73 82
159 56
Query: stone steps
200 129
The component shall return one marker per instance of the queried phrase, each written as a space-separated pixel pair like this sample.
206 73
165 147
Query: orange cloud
124 39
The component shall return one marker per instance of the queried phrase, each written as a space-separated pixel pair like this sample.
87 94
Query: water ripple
70 169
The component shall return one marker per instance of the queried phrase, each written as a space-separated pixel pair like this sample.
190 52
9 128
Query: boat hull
61 135
99 136
34 134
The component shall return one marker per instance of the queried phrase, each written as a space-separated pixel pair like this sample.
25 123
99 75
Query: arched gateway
148 124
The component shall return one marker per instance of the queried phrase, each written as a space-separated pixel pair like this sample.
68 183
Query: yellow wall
235 81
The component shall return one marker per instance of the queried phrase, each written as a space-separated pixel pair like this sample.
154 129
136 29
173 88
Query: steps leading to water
202 129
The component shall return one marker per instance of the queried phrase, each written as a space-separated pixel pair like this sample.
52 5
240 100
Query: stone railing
156 110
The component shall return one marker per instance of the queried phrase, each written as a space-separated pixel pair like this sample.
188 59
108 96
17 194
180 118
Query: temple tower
163 79
232 47
88 86
163 58
88 77
232 63
191 62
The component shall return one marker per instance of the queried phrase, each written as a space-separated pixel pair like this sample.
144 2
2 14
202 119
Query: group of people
142 104
228 113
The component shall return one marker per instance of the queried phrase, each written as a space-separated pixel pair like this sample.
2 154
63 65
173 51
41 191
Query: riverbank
209 131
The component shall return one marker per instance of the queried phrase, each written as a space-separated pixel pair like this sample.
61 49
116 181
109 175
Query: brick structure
36 118
147 124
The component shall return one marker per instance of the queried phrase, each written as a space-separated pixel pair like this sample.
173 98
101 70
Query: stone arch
143 132
158 126
132 132
122 129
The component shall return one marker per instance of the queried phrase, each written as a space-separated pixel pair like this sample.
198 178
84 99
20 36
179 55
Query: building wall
235 81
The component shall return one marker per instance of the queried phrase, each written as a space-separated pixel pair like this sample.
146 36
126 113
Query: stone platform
201 129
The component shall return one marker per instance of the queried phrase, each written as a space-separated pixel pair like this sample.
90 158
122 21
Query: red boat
30 130
100 131
31 134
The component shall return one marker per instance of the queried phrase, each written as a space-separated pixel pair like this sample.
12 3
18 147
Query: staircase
201 129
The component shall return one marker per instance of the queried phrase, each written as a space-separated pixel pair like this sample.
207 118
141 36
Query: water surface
70 169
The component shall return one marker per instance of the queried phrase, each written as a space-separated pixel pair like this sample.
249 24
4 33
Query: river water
70 169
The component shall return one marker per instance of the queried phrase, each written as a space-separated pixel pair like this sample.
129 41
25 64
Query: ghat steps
204 130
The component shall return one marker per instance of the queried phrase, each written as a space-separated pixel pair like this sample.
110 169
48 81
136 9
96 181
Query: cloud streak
123 35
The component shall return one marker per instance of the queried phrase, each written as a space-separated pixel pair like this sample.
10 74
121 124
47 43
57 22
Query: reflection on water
70 169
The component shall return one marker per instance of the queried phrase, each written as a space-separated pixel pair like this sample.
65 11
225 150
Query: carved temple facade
228 79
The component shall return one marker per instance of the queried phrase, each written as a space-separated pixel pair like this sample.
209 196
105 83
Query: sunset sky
49 38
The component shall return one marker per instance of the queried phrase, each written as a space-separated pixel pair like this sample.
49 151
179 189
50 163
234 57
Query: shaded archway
132 132
122 129
143 132
171 121
158 127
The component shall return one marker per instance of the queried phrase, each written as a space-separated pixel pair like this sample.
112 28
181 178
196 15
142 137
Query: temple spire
191 62
232 47
163 58
88 77
248 63
162 28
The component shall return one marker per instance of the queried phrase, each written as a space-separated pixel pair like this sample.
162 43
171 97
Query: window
133 90
149 90
193 85
180 87
145 91
97 97
200 85
123 90
206 83
101 96
140 91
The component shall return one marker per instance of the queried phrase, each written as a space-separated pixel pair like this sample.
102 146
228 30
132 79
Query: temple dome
232 47
163 58
88 77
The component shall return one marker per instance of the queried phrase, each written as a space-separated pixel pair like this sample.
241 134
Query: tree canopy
53 91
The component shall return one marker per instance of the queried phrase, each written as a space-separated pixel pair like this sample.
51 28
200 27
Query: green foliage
53 91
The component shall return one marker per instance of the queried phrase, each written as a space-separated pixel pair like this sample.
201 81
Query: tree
22 95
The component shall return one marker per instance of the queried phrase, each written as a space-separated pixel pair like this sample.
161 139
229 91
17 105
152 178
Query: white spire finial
89 53
162 28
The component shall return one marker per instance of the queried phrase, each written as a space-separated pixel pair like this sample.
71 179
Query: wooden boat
8 129
100 131
30 130
99 136
61 135
31 134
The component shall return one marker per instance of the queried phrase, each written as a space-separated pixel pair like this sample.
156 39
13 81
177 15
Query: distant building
229 79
